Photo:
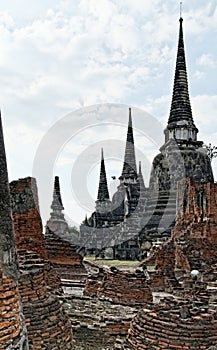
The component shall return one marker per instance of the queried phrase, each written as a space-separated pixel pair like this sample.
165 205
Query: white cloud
201 19
198 75
20 139
204 109
57 56
206 60
6 21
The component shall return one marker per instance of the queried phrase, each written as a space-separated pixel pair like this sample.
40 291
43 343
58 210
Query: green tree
73 234
211 151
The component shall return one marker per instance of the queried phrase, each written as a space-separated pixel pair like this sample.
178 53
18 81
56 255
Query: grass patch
117 263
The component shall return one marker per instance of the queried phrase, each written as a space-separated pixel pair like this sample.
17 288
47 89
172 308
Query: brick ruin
189 323
152 209
196 225
28 225
187 318
164 325
13 334
26 217
193 244
97 323
119 287
57 223
60 249
104 311
62 255
47 323
180 156
119 217
163 278
125 308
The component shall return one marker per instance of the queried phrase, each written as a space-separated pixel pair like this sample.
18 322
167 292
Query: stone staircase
160 214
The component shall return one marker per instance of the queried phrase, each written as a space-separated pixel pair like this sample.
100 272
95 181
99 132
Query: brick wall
119 287
47 323
193 244
11 322
28 225
173 324
13 333
26 216
63 256
195 233
163 277
61 252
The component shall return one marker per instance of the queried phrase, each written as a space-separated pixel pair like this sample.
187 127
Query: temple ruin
112 230
116 230
52 298
180 157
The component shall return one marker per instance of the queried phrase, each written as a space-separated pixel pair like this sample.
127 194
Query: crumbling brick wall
119 287
26 216
47 323
61 252
11 322
193 244
195 233
94 282
13 334
28 225
175 324
163 277
63 256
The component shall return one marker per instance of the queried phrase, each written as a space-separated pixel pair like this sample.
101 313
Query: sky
70 69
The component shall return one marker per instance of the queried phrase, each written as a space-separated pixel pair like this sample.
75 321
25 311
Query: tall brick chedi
181 155
112 227
57 223
13 333
61 252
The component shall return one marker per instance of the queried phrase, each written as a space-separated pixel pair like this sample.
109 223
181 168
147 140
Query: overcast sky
58 57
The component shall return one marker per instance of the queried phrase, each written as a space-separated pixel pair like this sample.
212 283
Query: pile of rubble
119 287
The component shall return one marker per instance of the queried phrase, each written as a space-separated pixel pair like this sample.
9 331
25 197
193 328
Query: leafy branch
211 151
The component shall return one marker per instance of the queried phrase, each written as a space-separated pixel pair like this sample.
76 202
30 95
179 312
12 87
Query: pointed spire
180 106
86 221
103 193
129 167
57 200
57 223
8 255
